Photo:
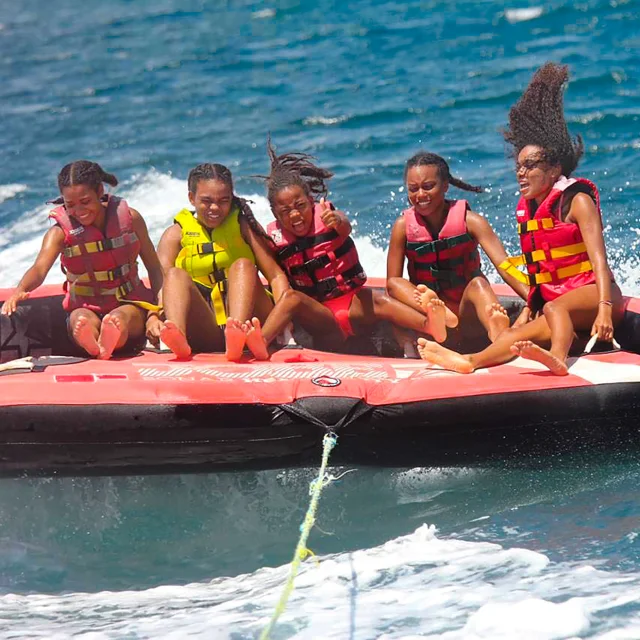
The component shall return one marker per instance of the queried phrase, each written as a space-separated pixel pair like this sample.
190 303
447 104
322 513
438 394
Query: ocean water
547 550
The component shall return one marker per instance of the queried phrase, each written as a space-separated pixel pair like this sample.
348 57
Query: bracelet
607 302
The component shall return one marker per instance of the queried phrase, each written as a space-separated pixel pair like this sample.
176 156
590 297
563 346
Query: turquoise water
150 89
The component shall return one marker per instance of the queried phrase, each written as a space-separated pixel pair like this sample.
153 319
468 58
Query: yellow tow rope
315 489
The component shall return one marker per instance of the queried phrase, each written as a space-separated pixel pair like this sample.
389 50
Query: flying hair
424 158
295 169
538 119
215 171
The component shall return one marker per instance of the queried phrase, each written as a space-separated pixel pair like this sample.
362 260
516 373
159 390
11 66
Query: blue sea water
147 89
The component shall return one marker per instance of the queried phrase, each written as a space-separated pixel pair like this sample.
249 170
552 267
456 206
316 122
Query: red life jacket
321 264
101 269
448 263
552 250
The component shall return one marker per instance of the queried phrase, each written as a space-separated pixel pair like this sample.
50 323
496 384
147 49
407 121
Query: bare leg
246 296
190 313
480 304
311 314
84 327
496 353
368 307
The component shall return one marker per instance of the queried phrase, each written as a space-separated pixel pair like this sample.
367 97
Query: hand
330 217
603 325
11 304
154 326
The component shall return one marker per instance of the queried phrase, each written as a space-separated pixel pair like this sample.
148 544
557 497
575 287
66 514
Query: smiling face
535 175
84 204
212 201
293 209
426 189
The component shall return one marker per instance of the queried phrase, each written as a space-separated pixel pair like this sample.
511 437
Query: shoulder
476 223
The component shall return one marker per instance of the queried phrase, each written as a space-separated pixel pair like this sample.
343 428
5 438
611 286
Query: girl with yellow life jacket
560 227
98 238
312 242
440 239
212 294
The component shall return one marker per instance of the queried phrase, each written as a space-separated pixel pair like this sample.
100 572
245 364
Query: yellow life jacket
207 255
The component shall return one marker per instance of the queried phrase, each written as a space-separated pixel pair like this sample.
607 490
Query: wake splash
412 586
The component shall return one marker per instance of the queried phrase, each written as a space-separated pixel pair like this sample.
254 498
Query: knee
380 302
241 265
291 299
393 286
479 285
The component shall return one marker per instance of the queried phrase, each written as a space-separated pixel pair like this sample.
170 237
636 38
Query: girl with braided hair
211 283
560 228
313 245
440 238
99 238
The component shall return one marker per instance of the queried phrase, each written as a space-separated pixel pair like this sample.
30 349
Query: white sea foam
8 191
524 14
413 586
158 197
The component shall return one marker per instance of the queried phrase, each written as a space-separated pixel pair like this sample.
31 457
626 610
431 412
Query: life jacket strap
533 279
436 246
302 244
324 288
100 245
315 264
101 276
535 225
120 293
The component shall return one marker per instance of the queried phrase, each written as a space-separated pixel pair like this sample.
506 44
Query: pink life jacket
101 269
448 263
321 264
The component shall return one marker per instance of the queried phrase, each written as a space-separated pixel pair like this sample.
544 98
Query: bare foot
255 341
175 340
85 336
530 351
423 296
112 331
235 335
445 358
498 320
435 310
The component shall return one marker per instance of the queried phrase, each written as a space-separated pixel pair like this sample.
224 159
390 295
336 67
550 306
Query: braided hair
295 169
424 158
215 171
83 172
538 119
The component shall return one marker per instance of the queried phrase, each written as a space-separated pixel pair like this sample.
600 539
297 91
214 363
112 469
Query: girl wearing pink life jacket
560 227
440 239
98 238
312 242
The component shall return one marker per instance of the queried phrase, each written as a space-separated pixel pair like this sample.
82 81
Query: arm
148 252
481 231
52 246
265 260
584 213
396 254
